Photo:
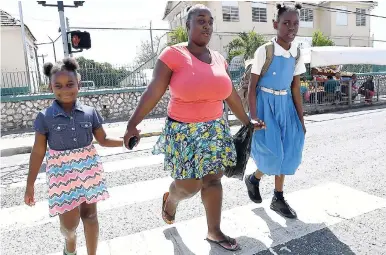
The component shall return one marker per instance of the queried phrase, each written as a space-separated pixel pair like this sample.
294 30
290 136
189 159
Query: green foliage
102 74
245 44
319 39
178 35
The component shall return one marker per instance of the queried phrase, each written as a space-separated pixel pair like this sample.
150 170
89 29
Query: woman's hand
131 131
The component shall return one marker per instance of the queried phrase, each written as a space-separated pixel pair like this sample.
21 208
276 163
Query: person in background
196 140
330 87
367 89
74 171
275 99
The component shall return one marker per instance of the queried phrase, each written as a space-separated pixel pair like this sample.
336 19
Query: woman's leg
178 191
88 214
211 194
279 182
69 222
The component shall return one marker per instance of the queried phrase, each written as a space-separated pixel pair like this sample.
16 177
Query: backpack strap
297 56
269 50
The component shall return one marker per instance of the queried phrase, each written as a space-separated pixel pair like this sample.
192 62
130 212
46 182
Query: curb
27 149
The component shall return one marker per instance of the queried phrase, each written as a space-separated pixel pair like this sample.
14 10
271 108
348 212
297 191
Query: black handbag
242 140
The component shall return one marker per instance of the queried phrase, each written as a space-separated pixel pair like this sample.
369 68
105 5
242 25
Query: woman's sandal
231 241
169 219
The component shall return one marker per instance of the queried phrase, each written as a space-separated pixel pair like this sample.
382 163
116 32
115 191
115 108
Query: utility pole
152 45
60 5
42 56
53 47
24 44
68 30
63 28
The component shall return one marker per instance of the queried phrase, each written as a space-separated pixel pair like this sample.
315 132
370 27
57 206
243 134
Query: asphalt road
345 148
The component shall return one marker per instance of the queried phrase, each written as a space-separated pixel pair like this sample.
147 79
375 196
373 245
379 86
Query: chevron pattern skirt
74 177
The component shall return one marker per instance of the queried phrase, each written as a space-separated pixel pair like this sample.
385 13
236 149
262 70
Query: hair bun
47 67
298 6
70 64
279 6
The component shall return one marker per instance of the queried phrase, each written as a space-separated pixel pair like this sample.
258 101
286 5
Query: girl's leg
279 204
69 222
211 194
88 214
279 182
178 191
258 174
253 186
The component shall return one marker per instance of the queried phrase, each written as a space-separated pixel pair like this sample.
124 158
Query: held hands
258 124
131 132
29 196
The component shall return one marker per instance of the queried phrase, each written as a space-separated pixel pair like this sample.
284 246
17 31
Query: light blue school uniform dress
277 149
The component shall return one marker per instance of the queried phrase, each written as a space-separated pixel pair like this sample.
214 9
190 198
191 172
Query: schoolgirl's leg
69 222
88 214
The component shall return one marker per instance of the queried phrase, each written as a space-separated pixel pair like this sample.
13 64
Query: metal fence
21 83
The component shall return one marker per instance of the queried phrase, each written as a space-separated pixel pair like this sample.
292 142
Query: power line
345 11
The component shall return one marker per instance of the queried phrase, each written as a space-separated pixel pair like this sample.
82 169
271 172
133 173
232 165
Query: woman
196 140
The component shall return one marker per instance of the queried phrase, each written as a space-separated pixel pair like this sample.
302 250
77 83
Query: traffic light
80 40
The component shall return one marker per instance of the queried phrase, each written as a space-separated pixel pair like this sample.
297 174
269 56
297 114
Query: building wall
12 60
12 54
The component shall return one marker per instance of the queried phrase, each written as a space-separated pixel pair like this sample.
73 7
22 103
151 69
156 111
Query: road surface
339 193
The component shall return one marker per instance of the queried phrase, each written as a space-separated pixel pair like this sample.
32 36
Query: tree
178 35
102 74
245 44
145 53
319 39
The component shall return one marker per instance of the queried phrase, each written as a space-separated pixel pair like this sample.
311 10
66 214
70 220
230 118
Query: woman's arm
297 98
252 95
153 93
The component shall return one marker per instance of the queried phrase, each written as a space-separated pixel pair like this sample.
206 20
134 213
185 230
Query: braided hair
283 8
68 64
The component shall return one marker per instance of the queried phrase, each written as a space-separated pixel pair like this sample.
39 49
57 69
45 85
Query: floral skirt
74 177
193 150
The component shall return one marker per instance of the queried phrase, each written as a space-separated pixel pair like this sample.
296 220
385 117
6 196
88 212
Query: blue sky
117 47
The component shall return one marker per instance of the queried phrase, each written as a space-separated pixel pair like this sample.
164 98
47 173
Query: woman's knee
188 187
212 180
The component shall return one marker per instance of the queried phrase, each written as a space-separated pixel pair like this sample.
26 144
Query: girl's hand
258 124
130 132
29 196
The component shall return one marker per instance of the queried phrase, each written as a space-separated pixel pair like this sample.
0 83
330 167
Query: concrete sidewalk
21 143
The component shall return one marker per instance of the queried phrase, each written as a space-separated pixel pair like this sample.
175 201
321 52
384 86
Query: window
259 12
307 18
341 16
361 17
230 11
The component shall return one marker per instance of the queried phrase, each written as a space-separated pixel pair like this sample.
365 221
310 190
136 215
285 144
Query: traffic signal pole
60 5
63 29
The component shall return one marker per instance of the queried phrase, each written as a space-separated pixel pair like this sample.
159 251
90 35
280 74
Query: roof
169 8
8 21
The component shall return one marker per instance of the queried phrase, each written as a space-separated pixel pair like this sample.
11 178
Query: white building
13 67
342 21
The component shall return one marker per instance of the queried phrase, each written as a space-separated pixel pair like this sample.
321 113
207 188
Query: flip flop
169 219
234 245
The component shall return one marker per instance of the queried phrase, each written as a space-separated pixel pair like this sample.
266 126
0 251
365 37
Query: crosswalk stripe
318 207
23 216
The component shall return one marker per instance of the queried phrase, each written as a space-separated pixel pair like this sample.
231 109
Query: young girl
74 171
275 99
